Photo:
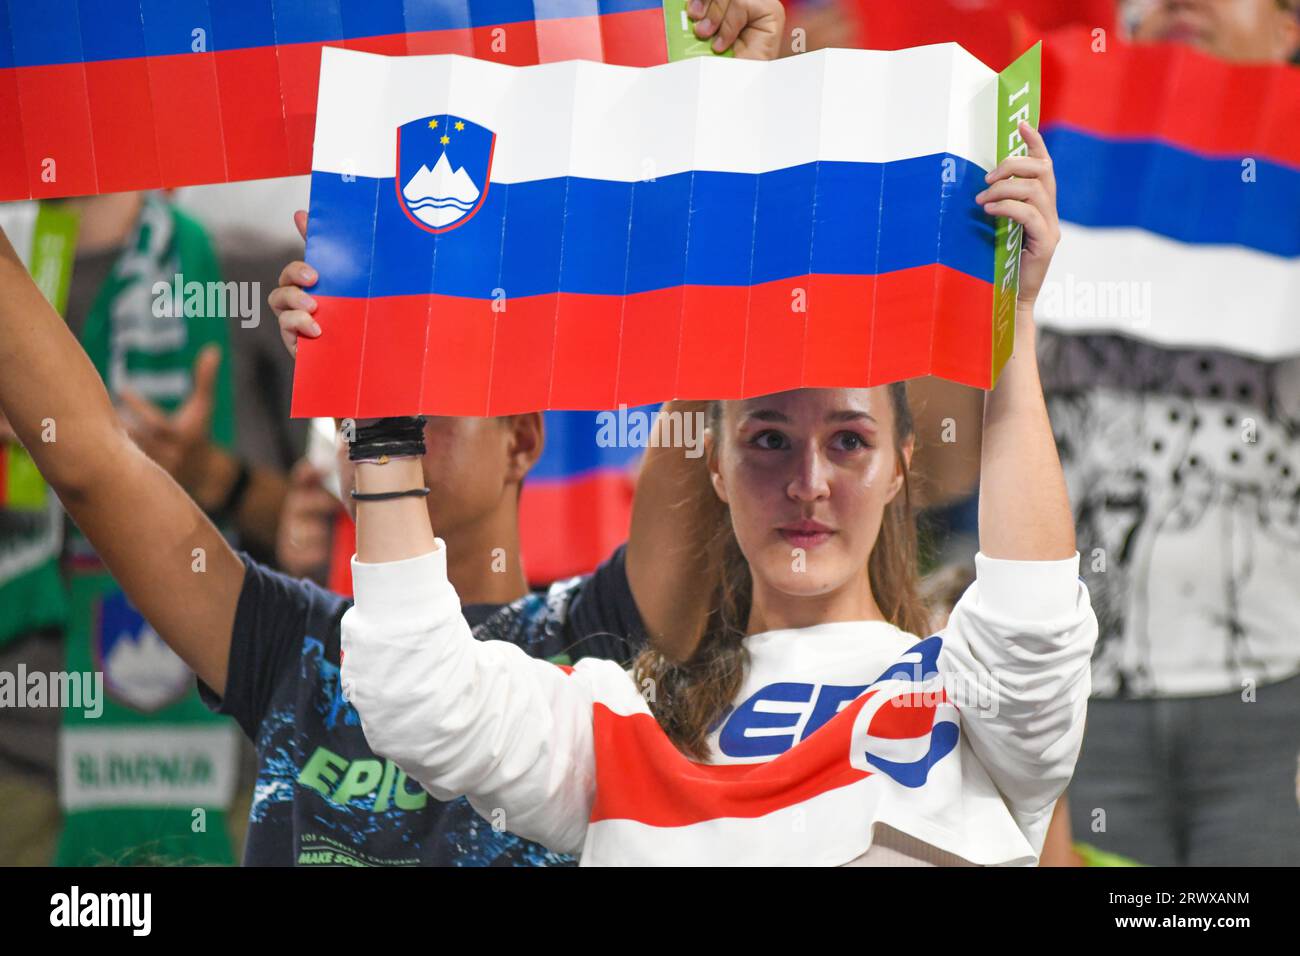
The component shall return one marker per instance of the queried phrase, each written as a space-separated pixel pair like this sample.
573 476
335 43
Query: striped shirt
962 740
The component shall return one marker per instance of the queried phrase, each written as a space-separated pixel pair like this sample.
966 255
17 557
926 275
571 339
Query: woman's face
1245 31
807 475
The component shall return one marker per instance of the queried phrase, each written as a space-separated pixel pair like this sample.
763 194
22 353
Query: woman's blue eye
854 441
759 440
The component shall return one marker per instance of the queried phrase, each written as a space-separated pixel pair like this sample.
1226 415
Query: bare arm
948 419
673 506
1024 508
173 564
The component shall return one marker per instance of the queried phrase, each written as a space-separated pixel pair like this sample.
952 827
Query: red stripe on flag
577 38
390 44
1241 109
568 527
841 316
963 329
635 38
240 114
903 332
585 369
647 363
252 114
392 356
13 157
327 369
861 331
774 339
55 110
441 41
458 356
299 65
641 776
123 123
511 43
187 114
712 342
522 350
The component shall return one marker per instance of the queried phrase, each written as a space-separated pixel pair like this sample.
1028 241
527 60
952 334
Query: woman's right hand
292 306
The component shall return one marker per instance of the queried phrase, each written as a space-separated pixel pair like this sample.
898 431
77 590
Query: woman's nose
810 480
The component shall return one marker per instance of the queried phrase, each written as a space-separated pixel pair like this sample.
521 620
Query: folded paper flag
1179 196
102 96
495 239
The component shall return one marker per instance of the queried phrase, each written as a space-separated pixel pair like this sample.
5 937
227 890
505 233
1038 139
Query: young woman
812 724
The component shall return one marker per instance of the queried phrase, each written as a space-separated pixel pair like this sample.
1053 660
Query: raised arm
672 511
1021 638
479 719
1024 510
164 552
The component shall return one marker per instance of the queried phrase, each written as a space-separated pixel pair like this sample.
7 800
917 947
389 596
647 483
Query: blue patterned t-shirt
322 797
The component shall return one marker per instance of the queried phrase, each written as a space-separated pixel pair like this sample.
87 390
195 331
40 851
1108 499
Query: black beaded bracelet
389 495
399 437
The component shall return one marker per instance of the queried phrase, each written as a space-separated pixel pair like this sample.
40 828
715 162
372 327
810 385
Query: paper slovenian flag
494 239
104 96
1179 196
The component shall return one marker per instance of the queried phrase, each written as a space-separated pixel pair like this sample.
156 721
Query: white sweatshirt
963 740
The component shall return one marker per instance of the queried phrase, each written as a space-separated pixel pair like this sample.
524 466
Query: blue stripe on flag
45 31
863 219
571 450
1152 185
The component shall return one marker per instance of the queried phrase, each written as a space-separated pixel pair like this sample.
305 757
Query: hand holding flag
1023 189
752 27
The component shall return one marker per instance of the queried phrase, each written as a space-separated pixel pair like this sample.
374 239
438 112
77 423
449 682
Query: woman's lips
806 534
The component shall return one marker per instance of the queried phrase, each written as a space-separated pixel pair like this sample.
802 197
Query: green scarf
150 779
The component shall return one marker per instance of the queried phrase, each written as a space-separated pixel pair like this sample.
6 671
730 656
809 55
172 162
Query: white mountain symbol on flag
438 197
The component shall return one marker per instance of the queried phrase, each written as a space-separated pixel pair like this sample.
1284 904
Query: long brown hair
689 697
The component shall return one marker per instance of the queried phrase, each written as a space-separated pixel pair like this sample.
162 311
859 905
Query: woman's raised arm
1024 509
159 545
479 719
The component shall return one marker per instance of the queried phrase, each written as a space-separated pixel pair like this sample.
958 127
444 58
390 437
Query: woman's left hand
1023 188
754 27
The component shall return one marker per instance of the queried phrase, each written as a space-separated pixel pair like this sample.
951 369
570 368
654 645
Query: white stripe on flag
1173 294
578 118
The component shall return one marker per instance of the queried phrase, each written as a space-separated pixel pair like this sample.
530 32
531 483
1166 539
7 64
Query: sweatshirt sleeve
1019 645
479 719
